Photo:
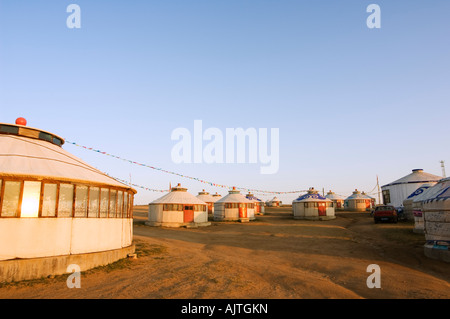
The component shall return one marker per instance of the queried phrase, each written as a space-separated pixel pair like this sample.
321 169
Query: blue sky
350 102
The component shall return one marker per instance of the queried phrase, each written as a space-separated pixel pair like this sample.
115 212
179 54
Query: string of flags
177 174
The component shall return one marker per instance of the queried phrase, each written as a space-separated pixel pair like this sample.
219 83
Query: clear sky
350 102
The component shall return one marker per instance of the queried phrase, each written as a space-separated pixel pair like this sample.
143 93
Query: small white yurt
274 202
259 204
178 209
417 207
396 192
357 202
209 200
216 196
370 201
234 207
436 213
313 206
337 200
408 202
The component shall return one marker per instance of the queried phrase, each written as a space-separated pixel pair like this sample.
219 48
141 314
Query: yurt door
367 203
339 204
322 209
242 211
257 208
210 206
188 213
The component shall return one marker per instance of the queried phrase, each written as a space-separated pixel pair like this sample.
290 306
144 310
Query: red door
242 211
188 213
322 209
257 208
338 204
210 206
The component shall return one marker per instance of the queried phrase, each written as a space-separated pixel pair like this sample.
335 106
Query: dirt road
272 257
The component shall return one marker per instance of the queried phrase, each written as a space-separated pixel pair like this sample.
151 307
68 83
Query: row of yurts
53 203
180 208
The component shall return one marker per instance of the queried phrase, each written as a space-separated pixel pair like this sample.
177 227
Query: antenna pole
379 198
443 168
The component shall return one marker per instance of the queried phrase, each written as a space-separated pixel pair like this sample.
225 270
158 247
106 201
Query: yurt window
119 204
94 195
112 203
49 200
30 199
104 202
125 205
81 198
65 203
11 199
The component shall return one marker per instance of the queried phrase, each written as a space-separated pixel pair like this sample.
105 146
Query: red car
385 213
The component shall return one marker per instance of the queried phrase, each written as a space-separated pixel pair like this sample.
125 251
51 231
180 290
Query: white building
313 206
274 202
357 202
408 202
436 213
417 207
209 200
396 192
54 204
234 207
337 200
176 209
259 204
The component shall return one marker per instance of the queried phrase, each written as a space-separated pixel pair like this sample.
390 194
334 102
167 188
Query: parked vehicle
385 213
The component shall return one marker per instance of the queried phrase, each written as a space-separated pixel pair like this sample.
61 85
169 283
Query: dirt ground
274 257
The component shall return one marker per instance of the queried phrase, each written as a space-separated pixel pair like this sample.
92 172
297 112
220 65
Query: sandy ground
272 257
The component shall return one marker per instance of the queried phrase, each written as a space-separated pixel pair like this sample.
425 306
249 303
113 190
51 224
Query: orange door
257 208
210 208
367 203
242 211
322 209
188 213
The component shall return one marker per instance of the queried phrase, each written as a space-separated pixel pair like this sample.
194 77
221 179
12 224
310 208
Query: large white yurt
337 200
234 207
209 200
408 202
436 212
417 207
178 209
313 206
274 202
396 192
357 202
259 204
54 204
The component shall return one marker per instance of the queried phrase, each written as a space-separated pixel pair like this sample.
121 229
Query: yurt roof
206 197
366 196
29 154
440 191
356 195
419 191
216 195
275 199
178 195
331 195
311 196
417 176
252 197
234 196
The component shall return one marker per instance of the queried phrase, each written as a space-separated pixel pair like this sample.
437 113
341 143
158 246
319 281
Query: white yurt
234 207
313 206
209 200
337 200
370 202
274 202
436 213
178 209
54 204
408 202
259 204
357 202
417 207
396 192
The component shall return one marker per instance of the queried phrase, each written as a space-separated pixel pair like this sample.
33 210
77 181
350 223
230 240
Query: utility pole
443 168
379 198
